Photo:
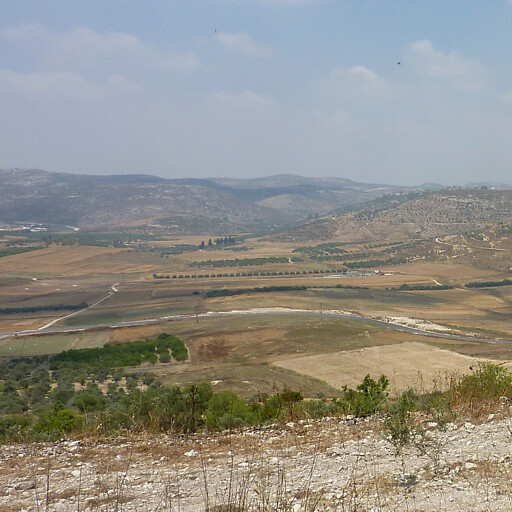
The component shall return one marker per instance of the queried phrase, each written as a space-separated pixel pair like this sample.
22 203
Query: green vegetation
119 240
175 249
487 383
118 356
245 262
322 252
9 251
367 398
34 309
476 236
374 263
269 273
421 287
48 396
406 415
473 396
91 391
241 291
350 287
488 284
44 398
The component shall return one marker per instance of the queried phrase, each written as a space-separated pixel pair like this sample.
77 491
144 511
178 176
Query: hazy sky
246 88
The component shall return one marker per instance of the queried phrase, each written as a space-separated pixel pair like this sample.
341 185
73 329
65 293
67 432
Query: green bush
263 289
165 357
317 409
52 425
87 401
400 424
367 398
13 428
226 409
178 349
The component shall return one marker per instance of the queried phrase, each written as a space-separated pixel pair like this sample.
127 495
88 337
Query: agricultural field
119 334
173 284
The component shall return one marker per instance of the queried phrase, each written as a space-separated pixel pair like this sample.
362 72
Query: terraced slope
404 216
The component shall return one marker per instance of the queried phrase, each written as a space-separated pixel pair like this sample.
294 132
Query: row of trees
242 291
227 240
245 262
34 309
249 274
488 284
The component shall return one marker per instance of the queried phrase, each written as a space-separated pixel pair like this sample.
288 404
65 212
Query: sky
383 91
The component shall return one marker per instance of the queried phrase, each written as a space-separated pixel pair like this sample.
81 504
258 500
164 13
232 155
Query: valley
181 283
146 328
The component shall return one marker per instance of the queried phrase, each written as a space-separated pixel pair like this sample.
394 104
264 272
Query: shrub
367 398
56 423
165 357
485 386
226 410
320 408
399 423
87 401
13 428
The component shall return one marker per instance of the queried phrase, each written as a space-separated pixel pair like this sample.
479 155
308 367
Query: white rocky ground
333 464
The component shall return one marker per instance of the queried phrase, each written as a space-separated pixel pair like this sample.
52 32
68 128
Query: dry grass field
72 260
51 344
407 365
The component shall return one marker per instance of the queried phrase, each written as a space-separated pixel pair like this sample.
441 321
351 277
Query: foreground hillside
151 447
328 465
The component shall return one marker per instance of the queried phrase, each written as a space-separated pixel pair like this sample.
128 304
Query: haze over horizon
381 92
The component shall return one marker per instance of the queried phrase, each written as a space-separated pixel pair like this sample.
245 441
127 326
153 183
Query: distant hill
412 215
179 205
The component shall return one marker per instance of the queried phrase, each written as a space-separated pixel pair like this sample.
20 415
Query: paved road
251 312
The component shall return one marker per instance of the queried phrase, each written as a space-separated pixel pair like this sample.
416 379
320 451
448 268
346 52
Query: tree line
34 309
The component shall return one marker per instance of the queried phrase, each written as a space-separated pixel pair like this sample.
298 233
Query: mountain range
188 204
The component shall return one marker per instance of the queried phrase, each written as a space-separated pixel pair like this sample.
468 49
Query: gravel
326 465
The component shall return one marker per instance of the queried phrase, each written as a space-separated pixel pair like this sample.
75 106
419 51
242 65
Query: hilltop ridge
186 204
412 215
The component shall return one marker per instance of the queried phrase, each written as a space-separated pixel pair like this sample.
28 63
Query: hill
181 205
119 201
412 215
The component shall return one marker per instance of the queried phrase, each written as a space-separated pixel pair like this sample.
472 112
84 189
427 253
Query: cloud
364 73
242 43
40 86
78 36
453 68
83 47
356 83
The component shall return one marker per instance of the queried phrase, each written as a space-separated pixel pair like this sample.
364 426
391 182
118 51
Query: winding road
249 312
